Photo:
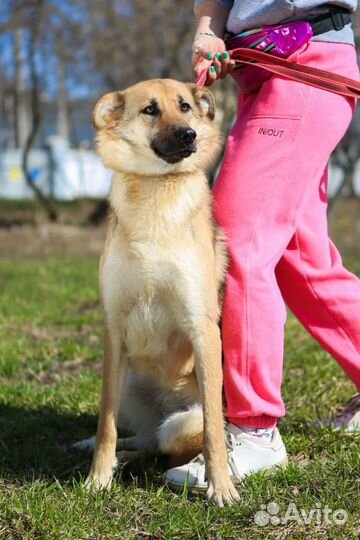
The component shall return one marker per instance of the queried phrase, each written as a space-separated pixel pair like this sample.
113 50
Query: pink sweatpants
270 199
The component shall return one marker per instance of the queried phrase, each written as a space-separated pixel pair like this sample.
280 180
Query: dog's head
157 127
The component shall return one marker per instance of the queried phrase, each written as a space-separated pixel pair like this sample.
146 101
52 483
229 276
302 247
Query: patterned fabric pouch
281 40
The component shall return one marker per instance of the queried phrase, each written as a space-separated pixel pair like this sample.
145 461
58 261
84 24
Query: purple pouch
279 40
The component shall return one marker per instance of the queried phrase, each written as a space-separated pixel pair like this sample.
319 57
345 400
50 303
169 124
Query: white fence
64 173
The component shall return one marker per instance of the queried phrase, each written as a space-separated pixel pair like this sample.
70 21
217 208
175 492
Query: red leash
304 74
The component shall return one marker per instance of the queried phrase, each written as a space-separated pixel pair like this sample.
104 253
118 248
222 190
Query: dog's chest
148 292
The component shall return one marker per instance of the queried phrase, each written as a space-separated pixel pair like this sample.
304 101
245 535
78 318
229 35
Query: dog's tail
181 435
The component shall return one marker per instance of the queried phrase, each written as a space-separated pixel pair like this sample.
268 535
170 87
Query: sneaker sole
199 490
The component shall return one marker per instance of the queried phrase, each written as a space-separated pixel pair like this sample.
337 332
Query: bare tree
63 127
36 16
22 124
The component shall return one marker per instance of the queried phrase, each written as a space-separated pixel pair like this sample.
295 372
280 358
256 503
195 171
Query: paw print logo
261 517
267 514
273 509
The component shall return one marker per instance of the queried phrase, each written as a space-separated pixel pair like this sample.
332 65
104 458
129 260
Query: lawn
50 358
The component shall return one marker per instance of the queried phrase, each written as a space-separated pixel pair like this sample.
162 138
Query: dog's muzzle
176 145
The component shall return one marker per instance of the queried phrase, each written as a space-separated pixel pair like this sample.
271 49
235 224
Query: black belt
334 19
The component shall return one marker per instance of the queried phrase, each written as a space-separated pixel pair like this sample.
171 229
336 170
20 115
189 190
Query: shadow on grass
36 444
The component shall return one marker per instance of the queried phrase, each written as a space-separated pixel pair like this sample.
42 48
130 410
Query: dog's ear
204 100
108 110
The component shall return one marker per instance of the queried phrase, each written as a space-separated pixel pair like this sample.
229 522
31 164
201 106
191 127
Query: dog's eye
151 110
185 107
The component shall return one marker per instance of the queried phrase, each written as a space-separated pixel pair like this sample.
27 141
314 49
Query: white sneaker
245 456
348 419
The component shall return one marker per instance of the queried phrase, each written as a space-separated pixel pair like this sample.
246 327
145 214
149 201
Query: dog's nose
186 135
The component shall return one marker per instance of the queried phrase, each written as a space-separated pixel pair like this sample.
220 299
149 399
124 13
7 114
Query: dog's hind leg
129 443
139 414
181 435
125 443
87 445
126 456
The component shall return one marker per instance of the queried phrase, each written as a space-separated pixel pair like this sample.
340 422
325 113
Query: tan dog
161 272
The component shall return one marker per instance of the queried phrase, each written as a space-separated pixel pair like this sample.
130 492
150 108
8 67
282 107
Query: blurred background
57 58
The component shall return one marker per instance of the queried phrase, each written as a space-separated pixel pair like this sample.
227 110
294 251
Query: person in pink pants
270 199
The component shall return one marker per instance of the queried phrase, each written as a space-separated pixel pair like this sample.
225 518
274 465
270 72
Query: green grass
50 352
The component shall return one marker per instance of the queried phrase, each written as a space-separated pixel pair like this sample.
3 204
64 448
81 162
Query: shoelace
198 459
230 441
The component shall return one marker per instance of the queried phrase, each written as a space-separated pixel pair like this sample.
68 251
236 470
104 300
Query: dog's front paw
222 492
100 478
98 481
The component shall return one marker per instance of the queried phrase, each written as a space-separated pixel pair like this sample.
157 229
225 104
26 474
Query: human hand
209 52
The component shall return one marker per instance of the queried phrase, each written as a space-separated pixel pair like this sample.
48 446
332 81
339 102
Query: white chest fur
155 276
152 295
